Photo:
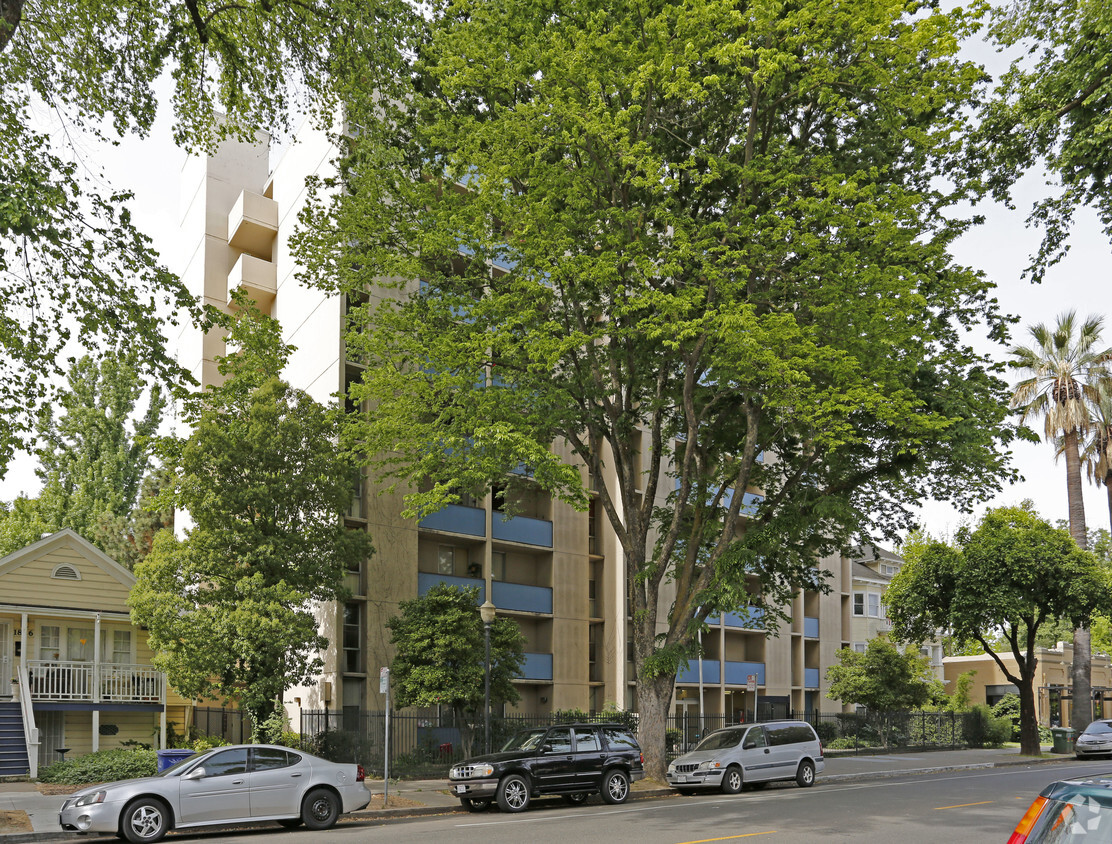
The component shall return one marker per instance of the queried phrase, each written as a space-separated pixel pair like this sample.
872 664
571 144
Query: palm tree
1097 451
1063 368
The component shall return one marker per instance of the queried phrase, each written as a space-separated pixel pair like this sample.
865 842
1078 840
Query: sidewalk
430 797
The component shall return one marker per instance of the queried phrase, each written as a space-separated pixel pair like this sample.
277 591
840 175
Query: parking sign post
751 686
384 688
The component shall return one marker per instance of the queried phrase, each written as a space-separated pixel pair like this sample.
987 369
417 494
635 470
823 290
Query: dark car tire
320 809
513 793
577 799
290 823
615 787
731 780
145 820
805 776
475 804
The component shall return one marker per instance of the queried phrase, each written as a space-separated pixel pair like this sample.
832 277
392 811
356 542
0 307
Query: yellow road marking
963 805
731 837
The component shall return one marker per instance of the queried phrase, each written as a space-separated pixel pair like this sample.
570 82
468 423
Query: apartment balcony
521 598
711 672
523 529
737 673
537 667
746 619
810 628
253 224
59 681
427 580
255 277
811 678
455 518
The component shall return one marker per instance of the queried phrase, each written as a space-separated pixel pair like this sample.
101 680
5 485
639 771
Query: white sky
1001 248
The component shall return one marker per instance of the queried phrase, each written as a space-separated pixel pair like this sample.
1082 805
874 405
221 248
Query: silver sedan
1096 740
247 782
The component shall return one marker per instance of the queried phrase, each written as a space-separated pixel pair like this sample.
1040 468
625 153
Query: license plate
461 789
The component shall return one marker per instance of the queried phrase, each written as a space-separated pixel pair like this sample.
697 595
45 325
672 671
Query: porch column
96 730
162 728
24 654
96 666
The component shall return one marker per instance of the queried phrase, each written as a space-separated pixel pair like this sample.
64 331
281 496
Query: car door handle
766 750
569 758
237 782
295 775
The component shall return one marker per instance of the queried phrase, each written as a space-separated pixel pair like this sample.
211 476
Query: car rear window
620 739
789 734
1082 820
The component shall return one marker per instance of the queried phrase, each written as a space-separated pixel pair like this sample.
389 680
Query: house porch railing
53 680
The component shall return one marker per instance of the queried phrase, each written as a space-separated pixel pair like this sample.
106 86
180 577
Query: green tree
129 539
1008 575
1062 369
692 237
440 657
22 523
1097 452
73 263
230 607
883 679
1050 109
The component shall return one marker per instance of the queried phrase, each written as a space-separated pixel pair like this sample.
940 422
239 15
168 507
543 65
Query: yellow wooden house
75 673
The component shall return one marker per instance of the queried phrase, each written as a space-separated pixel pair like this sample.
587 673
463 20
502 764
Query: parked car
1075 811
249 782
573 760
1095 741
750 754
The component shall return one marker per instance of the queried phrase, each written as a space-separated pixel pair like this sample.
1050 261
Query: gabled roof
63 538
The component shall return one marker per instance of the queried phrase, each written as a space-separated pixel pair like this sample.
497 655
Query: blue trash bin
168 758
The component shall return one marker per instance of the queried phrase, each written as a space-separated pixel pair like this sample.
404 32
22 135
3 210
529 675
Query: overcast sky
1001 248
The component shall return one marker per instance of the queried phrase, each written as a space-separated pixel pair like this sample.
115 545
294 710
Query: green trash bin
1063 739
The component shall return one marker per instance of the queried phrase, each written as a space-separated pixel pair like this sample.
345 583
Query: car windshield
176 769
1099 727
525 740
1079 821
720 740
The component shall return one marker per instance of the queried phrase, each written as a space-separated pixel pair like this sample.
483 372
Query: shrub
208 743
1008 707
982 729
827 731
102 766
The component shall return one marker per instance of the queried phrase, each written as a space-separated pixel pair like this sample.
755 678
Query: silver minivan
750 754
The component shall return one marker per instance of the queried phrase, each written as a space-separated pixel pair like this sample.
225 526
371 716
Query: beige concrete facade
557 572
1053 685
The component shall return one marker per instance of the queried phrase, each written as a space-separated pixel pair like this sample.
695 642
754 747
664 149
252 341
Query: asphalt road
975 806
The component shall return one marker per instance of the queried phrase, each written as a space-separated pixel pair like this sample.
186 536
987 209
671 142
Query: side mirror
749 744
195 774
546 749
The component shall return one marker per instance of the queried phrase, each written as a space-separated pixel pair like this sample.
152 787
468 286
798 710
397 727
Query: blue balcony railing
746 619
523 529
712 671
455 518
737 673
811 678
537 667
427 580
810 627
518 596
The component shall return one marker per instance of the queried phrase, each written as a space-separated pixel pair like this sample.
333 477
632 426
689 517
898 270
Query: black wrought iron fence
232 725
421 746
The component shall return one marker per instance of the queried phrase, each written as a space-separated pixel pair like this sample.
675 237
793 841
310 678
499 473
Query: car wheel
731 780
577 799
615 787
513 794
805 776
290 823
320 809
473 804
144 821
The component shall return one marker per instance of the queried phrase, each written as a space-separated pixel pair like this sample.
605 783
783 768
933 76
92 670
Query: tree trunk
1029 744
1081 710
654 696
11 12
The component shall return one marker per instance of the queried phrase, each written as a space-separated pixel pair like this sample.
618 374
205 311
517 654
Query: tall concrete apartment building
557 572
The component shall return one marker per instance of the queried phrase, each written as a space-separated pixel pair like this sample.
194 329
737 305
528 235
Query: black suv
574 760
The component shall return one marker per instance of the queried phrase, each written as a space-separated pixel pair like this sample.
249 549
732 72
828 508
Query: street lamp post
486 613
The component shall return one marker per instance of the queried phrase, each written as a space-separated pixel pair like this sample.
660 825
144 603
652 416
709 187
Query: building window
886 569
353 638
860 647
50 642
119 647
79 644
447 560
858 603
498 565
874 605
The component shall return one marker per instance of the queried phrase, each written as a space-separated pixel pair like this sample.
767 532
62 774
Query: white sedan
247 782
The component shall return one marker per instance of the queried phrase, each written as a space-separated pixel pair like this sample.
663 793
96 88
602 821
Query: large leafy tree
230 607
1010 574
440 655
1052 109
1097 451
883 679
74 266
671 239
128 539
1061 371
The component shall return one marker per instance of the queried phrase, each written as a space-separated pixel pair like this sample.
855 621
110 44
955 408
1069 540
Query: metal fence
232 725
423 746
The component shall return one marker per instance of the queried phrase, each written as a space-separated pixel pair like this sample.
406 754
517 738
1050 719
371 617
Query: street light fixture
486 613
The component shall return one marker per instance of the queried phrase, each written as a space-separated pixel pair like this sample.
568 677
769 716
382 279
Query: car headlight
90 799
483 770
671 767
710 765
